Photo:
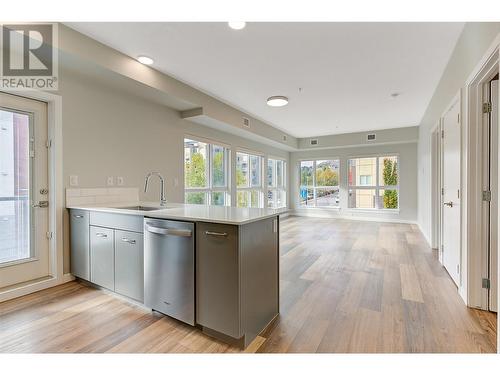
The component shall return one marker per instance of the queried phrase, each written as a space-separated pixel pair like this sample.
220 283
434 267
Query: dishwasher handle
169 231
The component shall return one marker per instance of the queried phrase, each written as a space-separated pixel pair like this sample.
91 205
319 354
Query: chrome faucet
163 199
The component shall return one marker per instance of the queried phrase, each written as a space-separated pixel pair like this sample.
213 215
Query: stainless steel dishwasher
169 268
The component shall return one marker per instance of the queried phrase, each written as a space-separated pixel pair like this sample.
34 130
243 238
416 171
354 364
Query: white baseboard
427 239
16 292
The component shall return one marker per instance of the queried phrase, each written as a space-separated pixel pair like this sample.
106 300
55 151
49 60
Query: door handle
102 235
449 204
78 216
41 204
132 242
216 234
169 231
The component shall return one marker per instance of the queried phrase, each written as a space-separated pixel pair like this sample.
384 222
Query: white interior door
451 189
493 261
24 245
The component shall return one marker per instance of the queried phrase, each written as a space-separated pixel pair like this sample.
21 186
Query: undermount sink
141 208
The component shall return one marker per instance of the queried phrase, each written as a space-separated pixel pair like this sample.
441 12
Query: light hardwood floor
346 287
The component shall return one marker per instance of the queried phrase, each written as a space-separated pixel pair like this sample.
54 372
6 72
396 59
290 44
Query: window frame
315 188
275 188
377 187
209 189
249 187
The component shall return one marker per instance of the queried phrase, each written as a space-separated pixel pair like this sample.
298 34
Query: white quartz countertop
187 212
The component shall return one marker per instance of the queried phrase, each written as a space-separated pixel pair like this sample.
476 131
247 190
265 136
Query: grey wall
110 132
475 39
407 171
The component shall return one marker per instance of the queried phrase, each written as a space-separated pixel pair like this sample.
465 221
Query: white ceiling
347 71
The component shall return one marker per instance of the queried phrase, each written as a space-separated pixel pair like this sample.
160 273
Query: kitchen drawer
133 223
129 264
102 257
80 250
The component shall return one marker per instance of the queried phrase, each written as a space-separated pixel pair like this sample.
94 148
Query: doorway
451 198
437 191
24 214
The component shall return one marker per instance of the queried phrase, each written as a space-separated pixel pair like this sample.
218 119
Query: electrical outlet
110 181
119 181
73 180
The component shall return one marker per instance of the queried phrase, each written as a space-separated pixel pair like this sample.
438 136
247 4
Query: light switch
111 181
73 180
119 181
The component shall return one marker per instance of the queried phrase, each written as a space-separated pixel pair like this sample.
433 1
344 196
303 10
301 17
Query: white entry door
494 162
24 244
451 189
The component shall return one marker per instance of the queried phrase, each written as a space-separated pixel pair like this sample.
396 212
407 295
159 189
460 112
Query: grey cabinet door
80 250
102 257
217 278
129 264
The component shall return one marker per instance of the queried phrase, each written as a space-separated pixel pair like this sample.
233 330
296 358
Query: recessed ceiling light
277 101
145 60
237 25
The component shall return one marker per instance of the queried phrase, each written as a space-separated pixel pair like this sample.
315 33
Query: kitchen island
213 267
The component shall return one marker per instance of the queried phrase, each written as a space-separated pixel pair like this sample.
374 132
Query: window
319 183
249 180
374 182
206 173
276 177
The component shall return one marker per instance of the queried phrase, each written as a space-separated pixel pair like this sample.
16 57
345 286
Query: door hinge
458 118
487 107
49 235
442 191
48 144
486 196
458 269
442 133
32 153
486 283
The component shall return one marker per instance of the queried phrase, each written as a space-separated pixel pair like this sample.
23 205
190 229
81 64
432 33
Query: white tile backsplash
101 195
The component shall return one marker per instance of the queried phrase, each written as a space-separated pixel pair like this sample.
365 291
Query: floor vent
246 122
314 142
371 137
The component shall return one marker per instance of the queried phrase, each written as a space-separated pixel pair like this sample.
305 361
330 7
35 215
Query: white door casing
451 196
494 155
37 266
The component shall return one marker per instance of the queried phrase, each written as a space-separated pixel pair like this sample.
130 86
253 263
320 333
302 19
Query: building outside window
206 174
374 182
276 183
249 180
319 183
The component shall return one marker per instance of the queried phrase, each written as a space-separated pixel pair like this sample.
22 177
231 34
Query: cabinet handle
78 216
217 234
132 242
102 235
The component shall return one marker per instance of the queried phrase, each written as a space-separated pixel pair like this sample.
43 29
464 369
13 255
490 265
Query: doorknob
449 204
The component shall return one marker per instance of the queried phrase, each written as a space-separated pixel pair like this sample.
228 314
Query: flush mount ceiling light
237 25
145 60
277 101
